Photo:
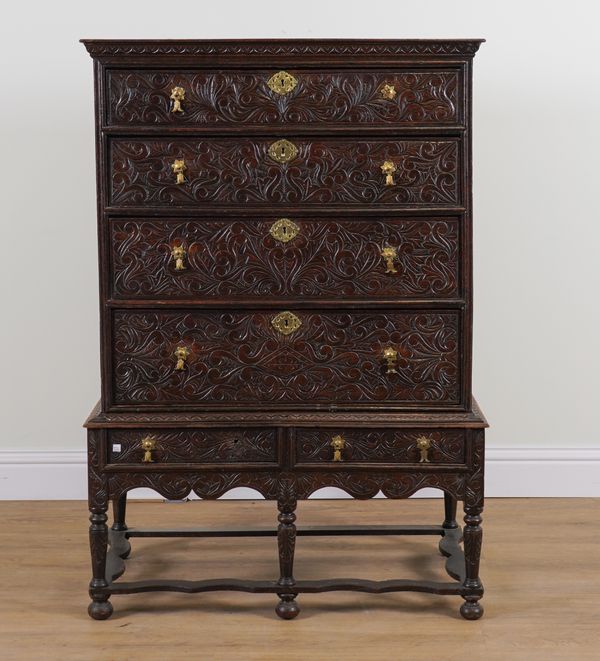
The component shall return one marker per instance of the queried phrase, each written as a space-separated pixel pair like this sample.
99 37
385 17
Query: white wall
537 231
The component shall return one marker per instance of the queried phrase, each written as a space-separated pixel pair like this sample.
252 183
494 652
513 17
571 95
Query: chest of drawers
285 286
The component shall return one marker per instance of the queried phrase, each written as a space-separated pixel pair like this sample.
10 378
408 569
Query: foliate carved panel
380 445
234 98
209 485
364 485
237 357
220 446
240 258
97 489
358 484
235 171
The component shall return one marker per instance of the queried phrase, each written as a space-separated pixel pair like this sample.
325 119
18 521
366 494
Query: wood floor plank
540 566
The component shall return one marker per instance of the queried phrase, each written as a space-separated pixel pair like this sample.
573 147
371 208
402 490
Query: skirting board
510 473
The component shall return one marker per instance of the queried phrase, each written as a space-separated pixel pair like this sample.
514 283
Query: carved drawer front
193 446
217 358
292 97
285 257
260 171
402 446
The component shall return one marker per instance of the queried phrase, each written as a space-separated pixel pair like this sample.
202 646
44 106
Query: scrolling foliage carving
242 98
234 171
237 357
327 258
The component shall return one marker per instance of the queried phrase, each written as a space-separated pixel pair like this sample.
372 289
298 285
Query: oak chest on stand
285 285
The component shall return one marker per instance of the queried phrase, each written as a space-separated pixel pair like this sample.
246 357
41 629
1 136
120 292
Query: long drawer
267 97
300 359
282 257
192 172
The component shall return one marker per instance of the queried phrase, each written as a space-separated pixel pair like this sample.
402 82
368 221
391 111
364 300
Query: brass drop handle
148 444
388 169
389 254
177 96
181 353
178 254
423 445
390 355
178 166
338 444
388 91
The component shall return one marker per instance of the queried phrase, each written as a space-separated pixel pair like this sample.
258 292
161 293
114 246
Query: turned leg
472 534
100 608
119 543
449 542
449 512
287 608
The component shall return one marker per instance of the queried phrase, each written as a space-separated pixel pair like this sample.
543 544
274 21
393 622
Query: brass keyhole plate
283 151
284 230
286 322
282 82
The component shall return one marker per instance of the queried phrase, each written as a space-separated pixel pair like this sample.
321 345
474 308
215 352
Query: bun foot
287 608
124 551
471 609
100 610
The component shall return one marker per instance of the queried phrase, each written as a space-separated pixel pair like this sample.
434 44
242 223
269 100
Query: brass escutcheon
423 444
148 444
177 96
283 151
338 444
286 322
282 82
284 230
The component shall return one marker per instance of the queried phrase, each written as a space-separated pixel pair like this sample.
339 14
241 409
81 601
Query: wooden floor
541 570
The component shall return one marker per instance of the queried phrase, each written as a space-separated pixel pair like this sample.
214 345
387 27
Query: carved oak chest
285 285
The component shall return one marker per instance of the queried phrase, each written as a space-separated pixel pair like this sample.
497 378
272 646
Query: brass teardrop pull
424 445
389 254
178 166
338 444
388 168
178 254
177 96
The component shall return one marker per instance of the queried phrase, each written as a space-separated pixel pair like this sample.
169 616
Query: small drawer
274 97
399 446
193 446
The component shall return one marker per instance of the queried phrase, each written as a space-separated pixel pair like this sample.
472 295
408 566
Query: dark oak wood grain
201 392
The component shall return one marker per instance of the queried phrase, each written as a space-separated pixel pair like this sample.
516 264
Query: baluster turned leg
472 532
100 608
472 609
118 542
287 608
